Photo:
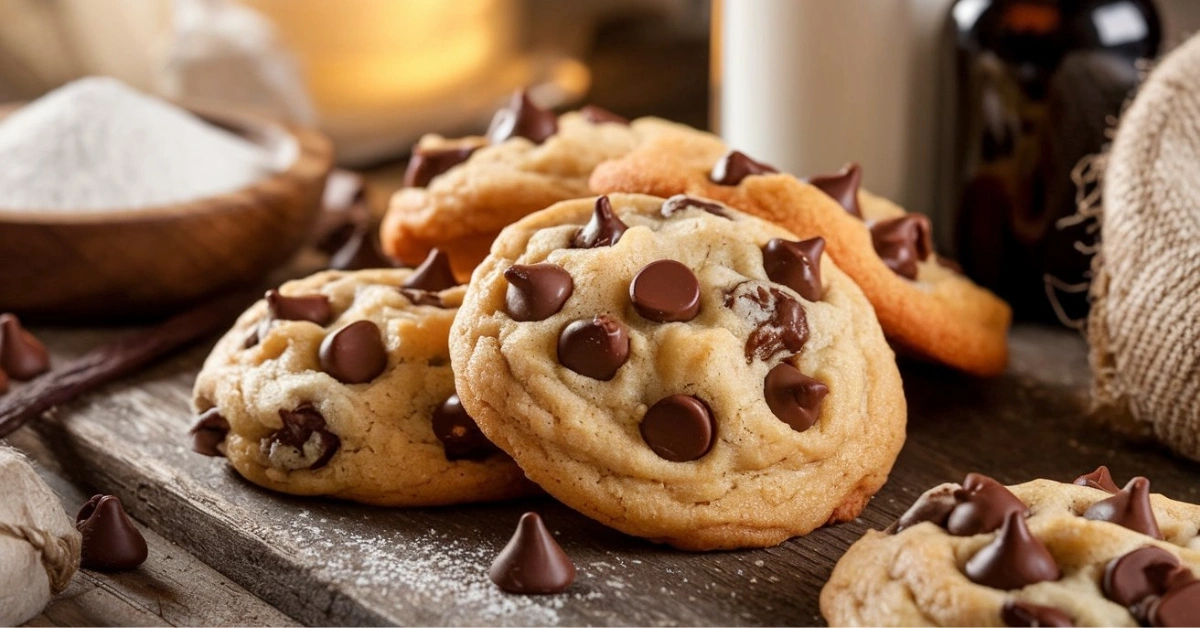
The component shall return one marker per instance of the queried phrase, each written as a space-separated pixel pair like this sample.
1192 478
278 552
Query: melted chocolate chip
1099 479
902 242
665 291
679 428
303 442
794 397
433 275
842 187
934 506
1024 614
536 292
314 308
22 357
209 433
427 163
780 322
735 166
354 354
1141 573
532 563
983 506
460 435
796 265
522 118
1129 507
604 228
1014 559
1180 606
361 250
111 542
595 348
681 202
600 115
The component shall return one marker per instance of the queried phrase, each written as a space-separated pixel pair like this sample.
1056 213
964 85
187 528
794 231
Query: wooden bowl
114 266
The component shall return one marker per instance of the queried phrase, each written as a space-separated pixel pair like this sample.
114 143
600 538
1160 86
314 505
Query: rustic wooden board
326 562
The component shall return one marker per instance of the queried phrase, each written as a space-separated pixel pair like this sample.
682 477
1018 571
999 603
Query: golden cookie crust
762 482
389 455
941 316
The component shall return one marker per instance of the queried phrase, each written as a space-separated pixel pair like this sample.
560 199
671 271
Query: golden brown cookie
924 306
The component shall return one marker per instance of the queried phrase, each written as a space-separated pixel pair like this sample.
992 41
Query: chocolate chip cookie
459 193
680 371
1043 553
925 305
339 384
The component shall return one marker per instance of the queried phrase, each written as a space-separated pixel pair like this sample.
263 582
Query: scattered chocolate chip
427 163
1179 606
522 118
111 542
1100 478
595 348
604 228
796 265
779 320
1024 614
303 442
537 291
1129 507
532 563
209 433
460 435
665 291
22 357
1014 559
361 250
344 210
314 308
902 242
735 166
679 428
842 187
934 506
600 115
354 354
983 506
421 297
1141 573
433 275
794 397
681 202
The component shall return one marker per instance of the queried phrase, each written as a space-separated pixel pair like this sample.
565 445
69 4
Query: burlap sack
1144 327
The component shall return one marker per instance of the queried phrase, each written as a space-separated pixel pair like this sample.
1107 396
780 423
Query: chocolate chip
1180 606
735 166
595 348
314 308
111 542
1014 559
1129 507
681 202
902 242
303 442
600 115
779 320
253 338
1141 573
796 265
1020 614
983 506
794 397
361 250
3 382
22 357
842 187
522 118
420 297
1100 479
433 275
665 291
209 433
536 292
354 354
427 163
532 563
679 428
460 435
934 506
604 228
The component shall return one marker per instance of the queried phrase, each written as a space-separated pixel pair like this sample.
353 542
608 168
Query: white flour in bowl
96 144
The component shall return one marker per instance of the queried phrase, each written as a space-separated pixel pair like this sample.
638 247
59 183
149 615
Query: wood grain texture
326 562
